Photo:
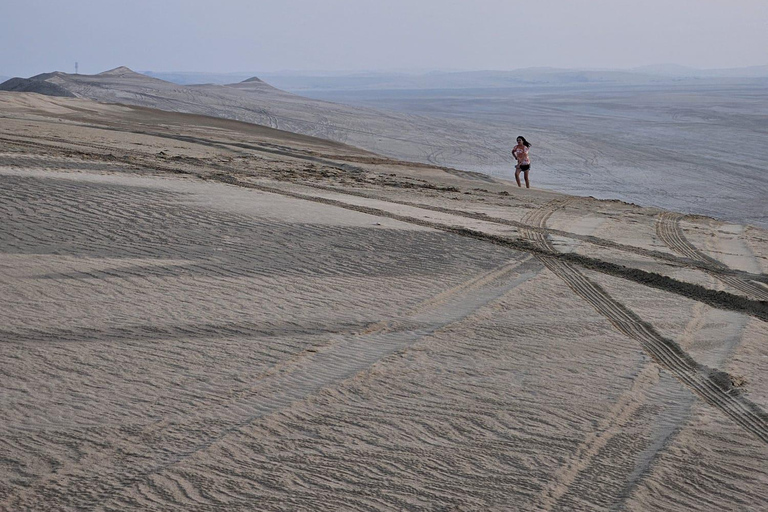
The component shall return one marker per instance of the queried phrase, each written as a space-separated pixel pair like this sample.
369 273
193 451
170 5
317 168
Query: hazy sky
272 35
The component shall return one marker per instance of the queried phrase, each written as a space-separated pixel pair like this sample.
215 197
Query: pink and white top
521 153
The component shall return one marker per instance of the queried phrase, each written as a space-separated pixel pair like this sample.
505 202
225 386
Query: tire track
705 382
717 299
626 407
671 233
544 230
712 385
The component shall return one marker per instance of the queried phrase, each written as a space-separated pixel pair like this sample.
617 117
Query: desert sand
204 314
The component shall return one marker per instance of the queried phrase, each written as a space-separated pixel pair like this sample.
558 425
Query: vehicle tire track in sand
671 233
620 413
712 385
627 407
717 299
544 230
669 427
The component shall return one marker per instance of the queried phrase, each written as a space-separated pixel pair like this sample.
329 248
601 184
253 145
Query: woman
520 152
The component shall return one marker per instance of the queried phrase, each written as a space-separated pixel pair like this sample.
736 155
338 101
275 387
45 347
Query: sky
38 36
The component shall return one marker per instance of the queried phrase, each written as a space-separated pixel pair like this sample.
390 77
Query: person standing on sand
520 152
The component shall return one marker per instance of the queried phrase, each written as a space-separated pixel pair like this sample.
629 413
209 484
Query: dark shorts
525 167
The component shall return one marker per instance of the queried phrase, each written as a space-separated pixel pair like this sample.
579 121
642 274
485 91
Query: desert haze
201 313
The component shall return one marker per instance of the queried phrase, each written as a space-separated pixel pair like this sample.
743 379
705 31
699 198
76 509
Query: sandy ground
200 314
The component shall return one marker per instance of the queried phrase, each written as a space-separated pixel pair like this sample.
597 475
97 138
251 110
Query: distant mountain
58 83
47 85
120 71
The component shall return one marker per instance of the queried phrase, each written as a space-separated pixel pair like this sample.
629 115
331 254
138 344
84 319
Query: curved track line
625 407
717 299
544 230
619 414
665 352
671 233
713 386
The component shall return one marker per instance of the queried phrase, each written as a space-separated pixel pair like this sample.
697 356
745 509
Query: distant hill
193 77
398 135
38 85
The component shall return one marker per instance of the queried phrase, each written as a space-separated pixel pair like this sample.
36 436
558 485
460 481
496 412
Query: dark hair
525 142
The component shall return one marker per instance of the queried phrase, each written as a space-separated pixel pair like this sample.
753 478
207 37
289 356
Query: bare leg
517 175
527 183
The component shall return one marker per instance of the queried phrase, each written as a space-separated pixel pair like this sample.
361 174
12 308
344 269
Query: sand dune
402 136
202 314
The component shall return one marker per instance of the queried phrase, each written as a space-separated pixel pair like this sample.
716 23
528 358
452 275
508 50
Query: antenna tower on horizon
75 67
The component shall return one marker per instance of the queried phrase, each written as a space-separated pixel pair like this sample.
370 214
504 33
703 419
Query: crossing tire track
671 233
712 385
529 223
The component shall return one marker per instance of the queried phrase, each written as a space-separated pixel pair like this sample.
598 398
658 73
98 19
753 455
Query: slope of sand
200 314
398 135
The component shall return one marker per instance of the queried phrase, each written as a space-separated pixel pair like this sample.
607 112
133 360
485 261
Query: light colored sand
277 323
